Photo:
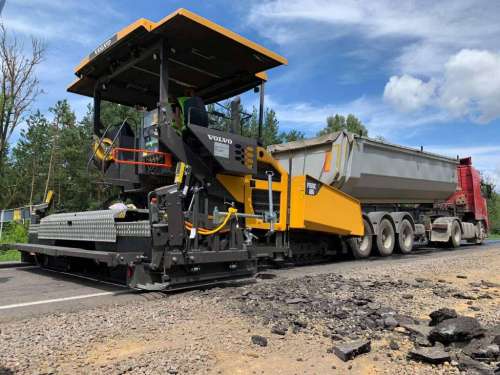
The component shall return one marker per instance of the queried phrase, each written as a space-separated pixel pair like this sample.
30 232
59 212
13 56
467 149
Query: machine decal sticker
221 150
311 188
103 46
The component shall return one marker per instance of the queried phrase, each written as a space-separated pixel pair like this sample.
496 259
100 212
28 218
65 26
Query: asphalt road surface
27 290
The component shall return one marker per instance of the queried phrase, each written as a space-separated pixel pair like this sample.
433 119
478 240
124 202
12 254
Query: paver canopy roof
211 60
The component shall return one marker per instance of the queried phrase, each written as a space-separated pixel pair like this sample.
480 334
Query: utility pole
2 4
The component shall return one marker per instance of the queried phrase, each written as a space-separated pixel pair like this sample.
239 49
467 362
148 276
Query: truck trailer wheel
406 237
361 247
456 235
386 238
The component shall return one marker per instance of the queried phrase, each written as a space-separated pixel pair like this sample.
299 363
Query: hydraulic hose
208 232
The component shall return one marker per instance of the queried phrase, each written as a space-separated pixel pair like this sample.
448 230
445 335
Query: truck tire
406 237
361 247
386 238
456 235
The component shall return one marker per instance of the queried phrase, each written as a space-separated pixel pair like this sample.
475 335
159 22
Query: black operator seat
195 112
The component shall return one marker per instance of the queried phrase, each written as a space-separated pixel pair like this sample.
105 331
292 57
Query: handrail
167 158
114 139
106 154
98 145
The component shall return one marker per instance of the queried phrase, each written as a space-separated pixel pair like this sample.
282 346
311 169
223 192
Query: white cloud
469 86
408 93
446 22
472 85
422 58
379 118
70 29
443 54
59 20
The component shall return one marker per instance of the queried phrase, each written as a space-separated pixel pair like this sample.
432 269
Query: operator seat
195 111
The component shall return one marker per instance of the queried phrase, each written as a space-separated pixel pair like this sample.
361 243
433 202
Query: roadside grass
494 236
10 255
13 232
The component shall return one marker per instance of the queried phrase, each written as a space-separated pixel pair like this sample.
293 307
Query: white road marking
83 296
86 278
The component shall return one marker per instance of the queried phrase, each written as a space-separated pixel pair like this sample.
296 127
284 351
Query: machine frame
227 203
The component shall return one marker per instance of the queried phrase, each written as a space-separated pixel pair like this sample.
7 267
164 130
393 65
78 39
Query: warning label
221 150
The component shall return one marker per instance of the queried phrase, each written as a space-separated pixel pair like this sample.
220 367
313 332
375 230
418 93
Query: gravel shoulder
210 331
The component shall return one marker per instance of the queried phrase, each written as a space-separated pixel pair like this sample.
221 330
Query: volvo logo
108 43
103 46
217 138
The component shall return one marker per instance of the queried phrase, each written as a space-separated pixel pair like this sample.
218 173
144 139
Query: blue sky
415 72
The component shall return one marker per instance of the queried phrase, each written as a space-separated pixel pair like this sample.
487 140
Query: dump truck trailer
407 195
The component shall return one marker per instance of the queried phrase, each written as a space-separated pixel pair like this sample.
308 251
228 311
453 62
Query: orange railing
167 158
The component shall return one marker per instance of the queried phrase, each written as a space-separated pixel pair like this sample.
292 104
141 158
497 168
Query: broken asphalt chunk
440 315
463 328
259 340
434 355
349 350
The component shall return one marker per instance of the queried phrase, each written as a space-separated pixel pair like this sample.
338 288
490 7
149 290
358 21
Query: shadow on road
5 371
102 284
13 264
77 279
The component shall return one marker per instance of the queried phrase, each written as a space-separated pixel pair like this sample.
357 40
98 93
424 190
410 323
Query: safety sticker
221 150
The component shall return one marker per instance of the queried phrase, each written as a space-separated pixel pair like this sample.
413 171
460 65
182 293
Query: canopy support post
97 110
235 116
163 100
261 112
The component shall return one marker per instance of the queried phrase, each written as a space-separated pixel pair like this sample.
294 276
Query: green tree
220 116
30 158
291 136
493 201
53 154
270 128
338 123
114 114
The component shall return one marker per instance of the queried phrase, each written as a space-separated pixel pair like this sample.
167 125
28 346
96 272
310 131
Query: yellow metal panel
141 22
263 185
49 197
71 87
262 76
329 210
179 172
280 186
235 185
17 215
297 202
